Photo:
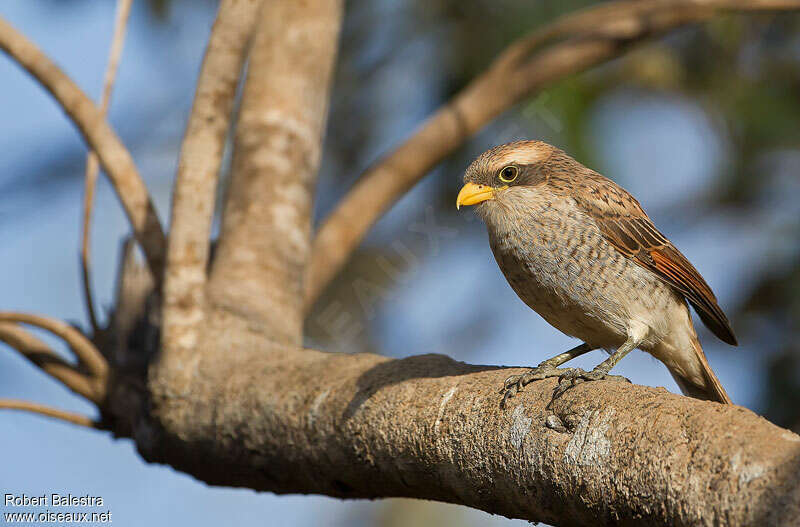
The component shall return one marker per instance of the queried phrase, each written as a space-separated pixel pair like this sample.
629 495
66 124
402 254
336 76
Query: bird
581 252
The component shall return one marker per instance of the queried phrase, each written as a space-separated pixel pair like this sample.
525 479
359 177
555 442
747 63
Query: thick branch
92 166
113 155
363 426
200 161
264 242
25 406
592 36
49 362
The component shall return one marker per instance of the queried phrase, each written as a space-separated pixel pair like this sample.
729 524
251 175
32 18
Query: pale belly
569 274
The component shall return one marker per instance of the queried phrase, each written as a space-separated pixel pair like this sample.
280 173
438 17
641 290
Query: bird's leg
544 370
572 376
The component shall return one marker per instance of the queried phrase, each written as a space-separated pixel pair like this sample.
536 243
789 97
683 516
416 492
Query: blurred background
703 126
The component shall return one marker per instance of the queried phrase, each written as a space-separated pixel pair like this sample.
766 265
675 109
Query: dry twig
120 24
49 362
83 348
114 157
76 419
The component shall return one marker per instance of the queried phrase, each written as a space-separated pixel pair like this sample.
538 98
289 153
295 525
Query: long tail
712 389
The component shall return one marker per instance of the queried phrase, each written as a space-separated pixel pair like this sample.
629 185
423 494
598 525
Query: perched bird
580 251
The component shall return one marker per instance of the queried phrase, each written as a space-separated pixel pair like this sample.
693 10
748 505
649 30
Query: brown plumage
581 251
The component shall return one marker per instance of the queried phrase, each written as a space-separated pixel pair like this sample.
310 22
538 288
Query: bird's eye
508 174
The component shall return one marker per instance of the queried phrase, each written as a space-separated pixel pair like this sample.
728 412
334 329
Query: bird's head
505 170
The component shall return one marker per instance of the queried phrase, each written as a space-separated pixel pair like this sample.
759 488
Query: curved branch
76 419
49 362
198 169
113 155
363 426
589 37
120 24
83 348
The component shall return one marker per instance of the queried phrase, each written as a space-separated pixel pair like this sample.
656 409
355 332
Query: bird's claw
515 383
572 376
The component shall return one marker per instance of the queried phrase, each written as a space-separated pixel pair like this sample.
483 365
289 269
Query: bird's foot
514 384
572 376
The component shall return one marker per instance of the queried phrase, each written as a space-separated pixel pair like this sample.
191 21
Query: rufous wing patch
626 226
677 271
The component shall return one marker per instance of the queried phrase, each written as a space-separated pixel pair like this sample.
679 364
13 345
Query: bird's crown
509 163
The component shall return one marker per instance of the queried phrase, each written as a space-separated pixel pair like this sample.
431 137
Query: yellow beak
470 194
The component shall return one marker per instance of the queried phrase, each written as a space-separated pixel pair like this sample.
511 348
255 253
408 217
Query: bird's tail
712 389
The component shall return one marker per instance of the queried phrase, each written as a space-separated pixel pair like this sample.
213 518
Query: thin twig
114 157
92 165
577 42
43 357
26 406
83 348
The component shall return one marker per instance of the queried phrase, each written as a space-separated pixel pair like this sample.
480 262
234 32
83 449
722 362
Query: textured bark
258 267
198 171
363 426
255 283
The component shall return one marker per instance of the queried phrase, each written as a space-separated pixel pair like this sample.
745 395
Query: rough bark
264 243
198 171
363 426
255 283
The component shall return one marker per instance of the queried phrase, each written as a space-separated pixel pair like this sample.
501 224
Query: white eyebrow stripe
522 156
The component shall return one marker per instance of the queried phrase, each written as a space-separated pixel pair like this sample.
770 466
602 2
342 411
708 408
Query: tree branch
13 404
363 426
589 37
264 241
200 161
90 177
113 155
44 358
83 348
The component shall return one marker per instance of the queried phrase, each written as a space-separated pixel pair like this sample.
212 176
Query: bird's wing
627 227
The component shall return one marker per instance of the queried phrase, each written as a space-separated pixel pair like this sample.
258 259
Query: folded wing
625 225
